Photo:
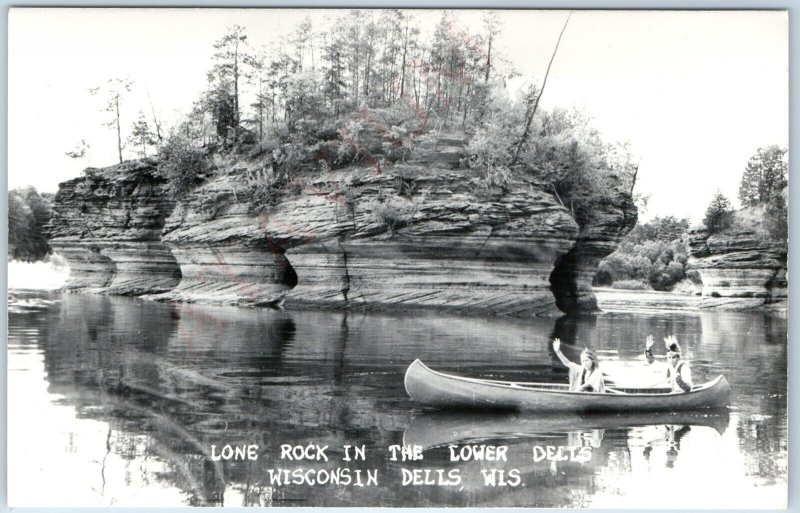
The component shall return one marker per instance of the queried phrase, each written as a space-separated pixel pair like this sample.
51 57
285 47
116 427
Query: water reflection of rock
173 380
759 374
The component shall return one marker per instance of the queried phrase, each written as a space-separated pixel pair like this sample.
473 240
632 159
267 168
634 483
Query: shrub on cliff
488 148
768 221
564 151
182 164
777 217
265 187
393 212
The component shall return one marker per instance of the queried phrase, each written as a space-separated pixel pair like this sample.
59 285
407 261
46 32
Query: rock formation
740 270
572 277
108 223
349 239
409 236
225 254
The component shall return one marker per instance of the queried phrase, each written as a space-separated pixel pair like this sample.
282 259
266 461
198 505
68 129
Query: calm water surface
118 401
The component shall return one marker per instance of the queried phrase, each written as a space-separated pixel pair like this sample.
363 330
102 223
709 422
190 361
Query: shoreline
51 277
649 301
608 300
619 300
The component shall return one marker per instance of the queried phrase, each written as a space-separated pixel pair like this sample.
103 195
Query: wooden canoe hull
440 390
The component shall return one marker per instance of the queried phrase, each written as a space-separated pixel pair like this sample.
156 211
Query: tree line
28 212
366 59
373 89
763 195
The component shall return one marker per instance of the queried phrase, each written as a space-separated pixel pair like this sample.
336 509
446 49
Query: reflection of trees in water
173 380
339 409
758 371
765 448
111 357
751 348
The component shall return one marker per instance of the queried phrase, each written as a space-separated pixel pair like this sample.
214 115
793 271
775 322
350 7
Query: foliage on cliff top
182 164
566 152
719 214
373 91
763 193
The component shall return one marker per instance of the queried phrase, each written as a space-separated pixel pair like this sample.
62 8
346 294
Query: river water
118 401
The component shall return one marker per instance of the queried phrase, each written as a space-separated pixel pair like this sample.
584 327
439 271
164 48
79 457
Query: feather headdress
672 345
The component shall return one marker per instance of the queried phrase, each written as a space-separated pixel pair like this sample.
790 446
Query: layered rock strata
107 224
572 277
451 243
89 271
225 255
404 237
350 240
740 270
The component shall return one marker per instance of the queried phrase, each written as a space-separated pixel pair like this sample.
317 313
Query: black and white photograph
402 258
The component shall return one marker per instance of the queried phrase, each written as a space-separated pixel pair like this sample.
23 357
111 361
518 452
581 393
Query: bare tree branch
532 111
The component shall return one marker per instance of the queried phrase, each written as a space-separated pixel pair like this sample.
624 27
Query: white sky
696 93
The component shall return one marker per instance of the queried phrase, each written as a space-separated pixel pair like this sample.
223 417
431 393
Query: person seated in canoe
679 374
586 377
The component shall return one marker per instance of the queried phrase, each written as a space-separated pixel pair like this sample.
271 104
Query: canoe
431 388
440 428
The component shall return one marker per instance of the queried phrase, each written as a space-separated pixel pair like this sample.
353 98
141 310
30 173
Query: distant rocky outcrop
740 269
408 236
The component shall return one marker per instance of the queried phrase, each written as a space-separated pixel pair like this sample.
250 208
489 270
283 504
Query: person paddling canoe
586 377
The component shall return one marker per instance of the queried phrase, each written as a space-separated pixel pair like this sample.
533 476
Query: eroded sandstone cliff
108 223
740 270
572 277
359 239
405 237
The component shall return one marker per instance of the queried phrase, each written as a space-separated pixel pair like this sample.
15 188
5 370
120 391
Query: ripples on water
118 400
